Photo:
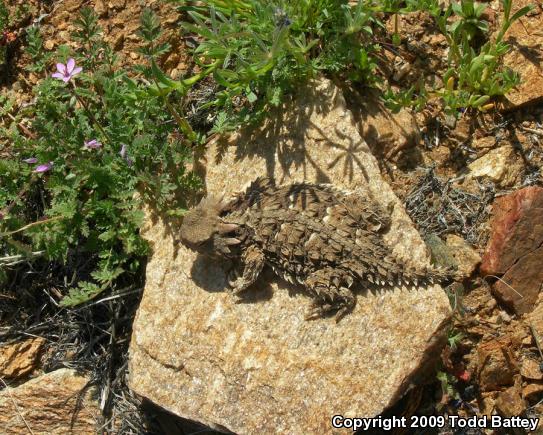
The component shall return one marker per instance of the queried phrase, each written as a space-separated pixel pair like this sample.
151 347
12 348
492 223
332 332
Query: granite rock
496 165
20 359
55 403
530 369
258 366
467 259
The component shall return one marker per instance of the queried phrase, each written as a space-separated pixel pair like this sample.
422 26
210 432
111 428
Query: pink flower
92 144
66 72
43 168
31 160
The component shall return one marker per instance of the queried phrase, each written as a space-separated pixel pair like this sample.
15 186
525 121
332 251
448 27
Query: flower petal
58 75
76 71
92 144
70 65
43 168
61 68
66 78
31 160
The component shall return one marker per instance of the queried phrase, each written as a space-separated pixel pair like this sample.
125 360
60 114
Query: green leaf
166 81
480 101
521 12
84 293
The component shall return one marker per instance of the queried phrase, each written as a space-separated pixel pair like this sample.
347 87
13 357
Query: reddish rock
519 287
517 228
515 249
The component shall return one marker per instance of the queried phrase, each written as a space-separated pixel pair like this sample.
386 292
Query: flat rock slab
258 366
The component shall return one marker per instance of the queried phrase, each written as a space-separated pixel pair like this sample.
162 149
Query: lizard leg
326 287
252 262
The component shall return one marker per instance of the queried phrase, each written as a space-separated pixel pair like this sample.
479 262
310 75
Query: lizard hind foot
341 307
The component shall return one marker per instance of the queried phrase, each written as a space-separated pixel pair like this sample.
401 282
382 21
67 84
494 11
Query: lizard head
205 232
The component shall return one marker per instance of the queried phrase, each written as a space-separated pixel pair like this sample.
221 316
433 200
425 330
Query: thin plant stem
91 115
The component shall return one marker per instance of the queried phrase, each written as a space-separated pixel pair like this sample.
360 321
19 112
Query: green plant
448 388
40 58
258 51
475 74
99 144
4 22
468 19
475 70
454 338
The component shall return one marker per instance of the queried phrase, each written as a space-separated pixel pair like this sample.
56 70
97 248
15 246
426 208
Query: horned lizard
315 235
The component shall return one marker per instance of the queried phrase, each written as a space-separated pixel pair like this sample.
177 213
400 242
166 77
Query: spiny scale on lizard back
317 235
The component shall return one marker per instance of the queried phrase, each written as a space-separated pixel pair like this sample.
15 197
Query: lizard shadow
211 275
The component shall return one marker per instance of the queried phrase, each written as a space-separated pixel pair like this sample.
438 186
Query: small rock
485 142
71 5
401 71
527 341
496 364
510 402
49 44
497 165
440 253
488 404
20 359
532 392
535 319
530 370
526 39
467 259
117 4
118 41
437 39
172 61
55 403
100 8
505 318
491 304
